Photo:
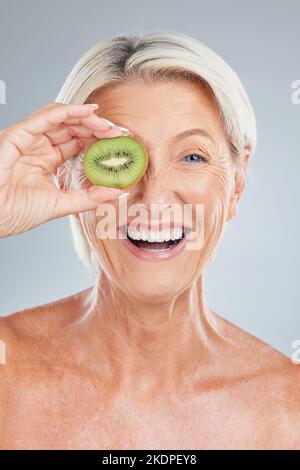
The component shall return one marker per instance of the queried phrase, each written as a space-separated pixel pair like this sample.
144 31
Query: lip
152 256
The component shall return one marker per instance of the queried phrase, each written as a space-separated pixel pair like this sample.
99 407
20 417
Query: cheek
209 187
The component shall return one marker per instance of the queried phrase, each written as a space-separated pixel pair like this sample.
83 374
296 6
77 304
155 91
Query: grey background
254 280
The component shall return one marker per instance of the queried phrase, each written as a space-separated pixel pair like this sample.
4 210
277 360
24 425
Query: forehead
164 107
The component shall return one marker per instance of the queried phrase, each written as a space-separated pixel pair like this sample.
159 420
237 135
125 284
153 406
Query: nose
153 194
162 207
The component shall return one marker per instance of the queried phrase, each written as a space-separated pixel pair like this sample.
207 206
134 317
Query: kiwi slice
116 162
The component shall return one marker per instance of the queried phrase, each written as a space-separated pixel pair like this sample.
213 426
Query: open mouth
155 246
152 244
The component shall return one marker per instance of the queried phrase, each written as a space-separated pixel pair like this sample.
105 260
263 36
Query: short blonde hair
157 56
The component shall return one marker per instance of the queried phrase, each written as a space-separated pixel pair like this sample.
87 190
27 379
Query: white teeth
153 236
134 234
167 236
160 236
156 236
177 234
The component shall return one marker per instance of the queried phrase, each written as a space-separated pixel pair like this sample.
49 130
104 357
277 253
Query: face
195 170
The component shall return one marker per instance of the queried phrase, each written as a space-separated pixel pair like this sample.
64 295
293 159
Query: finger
74 146
46 106
87 142
80 200
88 135
91 122
63 133
15 140
97 123
65 151
81 128
113 132
46 119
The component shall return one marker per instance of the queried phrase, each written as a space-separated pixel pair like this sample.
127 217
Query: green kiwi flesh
116 162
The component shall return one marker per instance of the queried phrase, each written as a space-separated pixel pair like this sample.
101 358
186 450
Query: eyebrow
195 131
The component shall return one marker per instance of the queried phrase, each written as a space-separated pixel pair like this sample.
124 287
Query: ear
239 186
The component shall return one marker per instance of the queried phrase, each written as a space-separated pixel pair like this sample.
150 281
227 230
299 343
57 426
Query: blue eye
195 158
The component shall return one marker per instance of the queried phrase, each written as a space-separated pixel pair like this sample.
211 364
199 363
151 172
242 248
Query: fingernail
124 129
92 105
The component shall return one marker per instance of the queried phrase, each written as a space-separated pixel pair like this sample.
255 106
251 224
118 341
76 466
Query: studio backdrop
254 280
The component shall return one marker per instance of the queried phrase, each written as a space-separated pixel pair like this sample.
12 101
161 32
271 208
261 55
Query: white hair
157 56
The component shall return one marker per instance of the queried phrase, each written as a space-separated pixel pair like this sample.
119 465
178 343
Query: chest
76 418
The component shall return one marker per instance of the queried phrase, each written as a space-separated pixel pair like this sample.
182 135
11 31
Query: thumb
80 200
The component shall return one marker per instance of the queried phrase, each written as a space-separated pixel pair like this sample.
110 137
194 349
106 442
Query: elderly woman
139 361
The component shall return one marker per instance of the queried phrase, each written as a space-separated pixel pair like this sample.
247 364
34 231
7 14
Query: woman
139 361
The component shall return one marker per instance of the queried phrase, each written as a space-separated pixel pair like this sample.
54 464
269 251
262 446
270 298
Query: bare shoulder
30 337
30 340
273 380
41 318
30 333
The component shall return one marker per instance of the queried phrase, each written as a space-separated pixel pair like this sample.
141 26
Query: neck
150 346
